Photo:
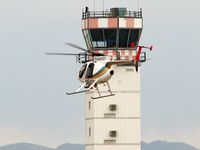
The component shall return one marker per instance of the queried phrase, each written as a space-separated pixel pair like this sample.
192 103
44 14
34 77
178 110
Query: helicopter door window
82 71
90 69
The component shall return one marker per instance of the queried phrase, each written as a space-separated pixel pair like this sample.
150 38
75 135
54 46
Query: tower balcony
114 12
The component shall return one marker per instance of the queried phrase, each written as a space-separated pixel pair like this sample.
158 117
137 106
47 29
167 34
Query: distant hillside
163 145
70 147
156 145
24 146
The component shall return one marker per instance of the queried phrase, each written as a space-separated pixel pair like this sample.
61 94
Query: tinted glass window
89 72
97 38
123 37
103 38
97 35
110 37
87 38
106 38
82 71
134 37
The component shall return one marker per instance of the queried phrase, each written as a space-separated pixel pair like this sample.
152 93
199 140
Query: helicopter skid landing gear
100 96
103 96
83 91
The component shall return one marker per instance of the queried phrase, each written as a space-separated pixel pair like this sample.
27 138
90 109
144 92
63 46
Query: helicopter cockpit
86 69
82 70
89 72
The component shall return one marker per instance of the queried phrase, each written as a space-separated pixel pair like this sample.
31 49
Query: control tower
113 123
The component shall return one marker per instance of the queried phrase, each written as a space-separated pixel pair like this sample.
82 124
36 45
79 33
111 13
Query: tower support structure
113 123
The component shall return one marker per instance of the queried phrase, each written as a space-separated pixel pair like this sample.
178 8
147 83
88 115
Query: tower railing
84 57
111 14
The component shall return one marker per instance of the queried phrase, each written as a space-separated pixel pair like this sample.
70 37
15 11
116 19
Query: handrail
111 14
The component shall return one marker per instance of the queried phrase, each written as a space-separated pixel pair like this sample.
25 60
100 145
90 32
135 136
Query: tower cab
114 33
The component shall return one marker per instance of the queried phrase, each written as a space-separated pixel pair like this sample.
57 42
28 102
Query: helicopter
93 72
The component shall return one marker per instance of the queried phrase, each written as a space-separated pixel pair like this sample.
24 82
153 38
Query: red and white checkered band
92 23
124 54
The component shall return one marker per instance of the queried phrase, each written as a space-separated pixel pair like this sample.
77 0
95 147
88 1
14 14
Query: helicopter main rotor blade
63 54
80 48
76 46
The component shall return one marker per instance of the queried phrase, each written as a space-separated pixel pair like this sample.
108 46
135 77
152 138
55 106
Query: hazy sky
33 104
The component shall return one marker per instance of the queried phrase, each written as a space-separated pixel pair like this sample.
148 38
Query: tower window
113 133
110 37
113 107
123 37
87 38
97 38
106 38
134 38
89 105
103 38
89 131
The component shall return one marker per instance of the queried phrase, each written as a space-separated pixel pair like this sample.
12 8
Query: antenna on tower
103 5
138 5
94 5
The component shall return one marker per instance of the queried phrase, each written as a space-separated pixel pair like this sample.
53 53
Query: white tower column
113 123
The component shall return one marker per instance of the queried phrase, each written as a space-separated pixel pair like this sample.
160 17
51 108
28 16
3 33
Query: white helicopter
94 72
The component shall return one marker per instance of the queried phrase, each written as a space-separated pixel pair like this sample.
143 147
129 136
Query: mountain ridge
24 146
165 145
154 145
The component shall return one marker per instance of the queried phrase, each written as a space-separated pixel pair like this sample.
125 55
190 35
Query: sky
33 104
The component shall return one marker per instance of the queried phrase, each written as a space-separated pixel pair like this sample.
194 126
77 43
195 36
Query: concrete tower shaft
119 114
113 123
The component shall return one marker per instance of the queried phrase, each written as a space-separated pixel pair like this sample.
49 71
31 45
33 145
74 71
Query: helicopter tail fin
137 57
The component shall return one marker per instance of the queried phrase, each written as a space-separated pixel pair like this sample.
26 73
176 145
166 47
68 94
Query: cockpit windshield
90 69
82 71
